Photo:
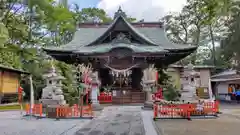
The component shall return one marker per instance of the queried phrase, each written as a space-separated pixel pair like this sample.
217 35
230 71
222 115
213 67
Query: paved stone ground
116 120
113 120
11 123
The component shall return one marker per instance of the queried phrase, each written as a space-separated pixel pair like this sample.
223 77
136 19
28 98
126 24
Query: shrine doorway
125 87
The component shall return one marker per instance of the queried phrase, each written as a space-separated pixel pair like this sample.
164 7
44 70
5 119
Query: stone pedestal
149 82
147 86
188 93
148 104
94 94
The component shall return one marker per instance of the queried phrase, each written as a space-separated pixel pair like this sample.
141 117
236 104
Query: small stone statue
52 94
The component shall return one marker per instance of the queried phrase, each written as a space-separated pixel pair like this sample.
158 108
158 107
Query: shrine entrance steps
121 97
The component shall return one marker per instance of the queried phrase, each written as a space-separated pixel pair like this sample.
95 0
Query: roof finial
119 13
119 9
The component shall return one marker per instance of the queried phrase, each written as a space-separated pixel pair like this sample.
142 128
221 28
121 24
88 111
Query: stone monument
52 94
149 85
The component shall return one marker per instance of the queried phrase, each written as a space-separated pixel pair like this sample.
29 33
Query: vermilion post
155 111
40 110
20 89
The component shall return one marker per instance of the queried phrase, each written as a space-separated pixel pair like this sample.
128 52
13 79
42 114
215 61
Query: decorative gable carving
121 38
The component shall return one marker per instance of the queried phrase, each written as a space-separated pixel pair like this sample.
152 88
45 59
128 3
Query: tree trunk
196 43
213 45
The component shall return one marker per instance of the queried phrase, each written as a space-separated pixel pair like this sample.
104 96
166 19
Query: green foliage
3 34
70 92
202 23
163 77
230 50
170 93
90 13
9 59
44 24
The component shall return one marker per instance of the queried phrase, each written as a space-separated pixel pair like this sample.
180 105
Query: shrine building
119 51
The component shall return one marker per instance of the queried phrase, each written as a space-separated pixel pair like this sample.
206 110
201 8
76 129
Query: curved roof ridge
103 48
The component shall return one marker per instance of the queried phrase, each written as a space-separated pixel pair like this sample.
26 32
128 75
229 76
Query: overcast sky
149 10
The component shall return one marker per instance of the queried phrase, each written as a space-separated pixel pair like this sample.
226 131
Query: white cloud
149 10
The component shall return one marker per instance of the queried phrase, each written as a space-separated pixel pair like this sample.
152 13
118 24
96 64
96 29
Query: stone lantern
190 83
52 94
94 85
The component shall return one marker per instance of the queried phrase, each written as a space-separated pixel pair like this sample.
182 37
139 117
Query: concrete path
119 120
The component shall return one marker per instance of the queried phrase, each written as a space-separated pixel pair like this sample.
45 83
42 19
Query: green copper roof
90 40
85 36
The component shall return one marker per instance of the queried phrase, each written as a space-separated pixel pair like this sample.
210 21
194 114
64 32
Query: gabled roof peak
121 23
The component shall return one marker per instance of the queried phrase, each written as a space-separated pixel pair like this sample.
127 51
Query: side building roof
5 68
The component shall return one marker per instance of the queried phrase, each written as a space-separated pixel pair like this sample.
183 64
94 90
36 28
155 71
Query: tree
200 23
230 50
94 14
90 14
28 25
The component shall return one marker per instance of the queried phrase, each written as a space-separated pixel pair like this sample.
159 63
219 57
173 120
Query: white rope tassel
116 70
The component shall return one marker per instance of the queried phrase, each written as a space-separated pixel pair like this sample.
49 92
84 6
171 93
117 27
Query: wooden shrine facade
121 46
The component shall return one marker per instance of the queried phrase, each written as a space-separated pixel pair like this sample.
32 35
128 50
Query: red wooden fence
105 98
74 112
181 111
36 110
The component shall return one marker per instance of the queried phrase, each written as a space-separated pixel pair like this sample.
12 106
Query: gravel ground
229 106
221 126
227 123
13 124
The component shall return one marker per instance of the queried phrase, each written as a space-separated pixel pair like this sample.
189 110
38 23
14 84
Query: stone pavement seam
159 130
148 124
65 131
74 128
